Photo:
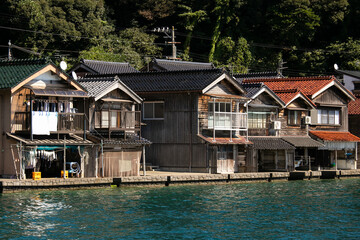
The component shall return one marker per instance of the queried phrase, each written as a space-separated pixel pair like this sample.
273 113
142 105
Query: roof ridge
312 78
99 61
25 61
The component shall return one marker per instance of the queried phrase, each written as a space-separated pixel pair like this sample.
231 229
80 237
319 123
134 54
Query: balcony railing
223 120
66 122
118 120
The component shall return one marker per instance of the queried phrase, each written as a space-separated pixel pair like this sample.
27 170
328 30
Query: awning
270 143
333 136
224 141
51 141
59 93
303 141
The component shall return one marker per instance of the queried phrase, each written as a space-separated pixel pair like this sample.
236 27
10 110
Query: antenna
63 65
74 75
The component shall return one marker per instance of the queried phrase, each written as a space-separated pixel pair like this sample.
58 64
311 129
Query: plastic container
36 175
66 174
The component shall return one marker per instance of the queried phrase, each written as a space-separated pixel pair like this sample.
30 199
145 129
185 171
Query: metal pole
102 158
144 164
64 173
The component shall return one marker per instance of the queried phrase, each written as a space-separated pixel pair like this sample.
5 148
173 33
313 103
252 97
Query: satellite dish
336 67
63 65
74 75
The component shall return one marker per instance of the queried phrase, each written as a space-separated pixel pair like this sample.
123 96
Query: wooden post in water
64 173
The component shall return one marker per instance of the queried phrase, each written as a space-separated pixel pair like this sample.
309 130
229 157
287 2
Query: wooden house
42 120
314 104
196 119
115 123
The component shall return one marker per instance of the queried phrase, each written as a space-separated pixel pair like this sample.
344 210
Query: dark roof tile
102 67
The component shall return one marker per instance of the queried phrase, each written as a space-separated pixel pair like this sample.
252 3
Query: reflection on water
300 210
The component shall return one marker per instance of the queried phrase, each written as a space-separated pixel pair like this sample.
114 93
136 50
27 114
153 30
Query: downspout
84 120
102 158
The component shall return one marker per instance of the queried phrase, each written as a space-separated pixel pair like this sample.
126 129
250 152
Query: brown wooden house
115 123
196 119
316 107
42 120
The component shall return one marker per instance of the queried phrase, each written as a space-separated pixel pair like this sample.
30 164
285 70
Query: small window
329 116
153 110
294 117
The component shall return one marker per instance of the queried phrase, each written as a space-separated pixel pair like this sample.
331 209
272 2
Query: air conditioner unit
277 125
307 120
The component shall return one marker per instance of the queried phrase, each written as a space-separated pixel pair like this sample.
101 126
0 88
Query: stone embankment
167 179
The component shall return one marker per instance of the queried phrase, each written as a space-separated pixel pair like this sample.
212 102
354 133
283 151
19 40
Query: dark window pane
159 110
148 110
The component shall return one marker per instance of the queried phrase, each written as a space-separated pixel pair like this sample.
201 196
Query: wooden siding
223 88
6 160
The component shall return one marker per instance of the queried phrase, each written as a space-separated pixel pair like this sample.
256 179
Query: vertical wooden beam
335 159
144 164
64 173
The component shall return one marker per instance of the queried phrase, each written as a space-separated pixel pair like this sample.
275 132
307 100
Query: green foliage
234 56
130 45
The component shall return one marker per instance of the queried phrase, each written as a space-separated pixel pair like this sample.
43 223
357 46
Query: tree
130 45
59 24
234 56
192 18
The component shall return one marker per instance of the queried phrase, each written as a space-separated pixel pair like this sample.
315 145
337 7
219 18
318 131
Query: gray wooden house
42 120
115 123
196 119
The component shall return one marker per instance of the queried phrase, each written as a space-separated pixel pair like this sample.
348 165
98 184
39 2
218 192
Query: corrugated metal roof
303 141
12 72
270 143
224 140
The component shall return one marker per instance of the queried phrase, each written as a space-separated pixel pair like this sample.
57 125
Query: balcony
64 122
223 120
117 120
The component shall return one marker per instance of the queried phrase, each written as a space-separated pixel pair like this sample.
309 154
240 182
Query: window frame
323 113
153 112
291 117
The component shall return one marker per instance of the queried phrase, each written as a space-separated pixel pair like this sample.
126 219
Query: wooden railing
66 122
118 120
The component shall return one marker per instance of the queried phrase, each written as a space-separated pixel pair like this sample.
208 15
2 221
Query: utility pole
281 67
166 31
10 55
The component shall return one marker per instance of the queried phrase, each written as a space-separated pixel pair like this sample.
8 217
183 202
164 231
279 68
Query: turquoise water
318 209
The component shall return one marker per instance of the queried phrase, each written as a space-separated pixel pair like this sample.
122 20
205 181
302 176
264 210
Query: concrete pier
160 178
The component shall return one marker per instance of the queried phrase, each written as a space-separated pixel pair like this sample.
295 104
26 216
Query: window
225 152
258 119
153 110
294 117
221 113
328 116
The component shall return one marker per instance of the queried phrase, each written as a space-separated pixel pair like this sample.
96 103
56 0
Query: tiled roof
270 143
354 106
15 71
355 74
102 67
242 76
225 140
97 85
174 65
191 80
118 138
307 85
335 136
252 88
304 141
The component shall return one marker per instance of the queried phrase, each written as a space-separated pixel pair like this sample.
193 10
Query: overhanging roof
60 93
333 136
270 143
304 141
70 141
225 141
